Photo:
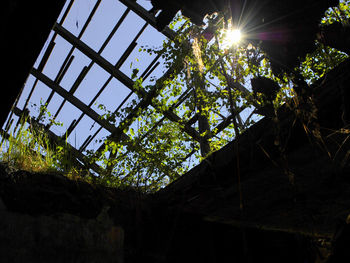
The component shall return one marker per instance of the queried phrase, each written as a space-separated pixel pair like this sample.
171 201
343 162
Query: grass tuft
29 148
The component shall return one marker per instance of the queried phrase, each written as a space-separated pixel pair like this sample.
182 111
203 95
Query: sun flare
234 36
231 37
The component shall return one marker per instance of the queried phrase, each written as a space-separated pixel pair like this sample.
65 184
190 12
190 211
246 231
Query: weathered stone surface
61 238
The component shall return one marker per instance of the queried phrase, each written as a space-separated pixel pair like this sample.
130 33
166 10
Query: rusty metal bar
124 79
89 139
103 87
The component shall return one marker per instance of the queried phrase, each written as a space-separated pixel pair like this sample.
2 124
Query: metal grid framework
111 69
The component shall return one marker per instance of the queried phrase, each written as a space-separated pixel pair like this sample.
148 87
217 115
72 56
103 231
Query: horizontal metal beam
55 139
94 56
106 65
74 100
145 15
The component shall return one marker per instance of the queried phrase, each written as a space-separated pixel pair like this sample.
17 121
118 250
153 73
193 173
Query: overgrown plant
324 58
29 147
194 88
205 83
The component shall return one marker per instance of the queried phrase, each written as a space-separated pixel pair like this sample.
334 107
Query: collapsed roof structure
206 215
246 202
64 97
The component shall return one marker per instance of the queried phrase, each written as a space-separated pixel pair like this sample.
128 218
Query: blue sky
107 15
105 18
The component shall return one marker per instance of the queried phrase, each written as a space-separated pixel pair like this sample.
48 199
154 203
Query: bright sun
234 35
231 37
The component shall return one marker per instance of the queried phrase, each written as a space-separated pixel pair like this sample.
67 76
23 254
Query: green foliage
341 13
30 147
28 150
213 78
324 58
205 82
148 159
154 153
319 62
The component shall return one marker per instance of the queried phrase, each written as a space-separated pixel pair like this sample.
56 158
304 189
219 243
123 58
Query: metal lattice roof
86 61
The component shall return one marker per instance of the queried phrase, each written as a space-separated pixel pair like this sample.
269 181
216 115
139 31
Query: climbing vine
207 85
